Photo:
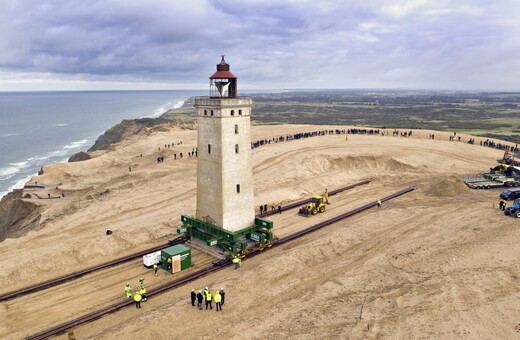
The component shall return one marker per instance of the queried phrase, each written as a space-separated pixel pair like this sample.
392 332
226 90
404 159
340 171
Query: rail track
64 327
74 275
305 201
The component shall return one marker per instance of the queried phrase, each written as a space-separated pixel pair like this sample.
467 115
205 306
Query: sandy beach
438 263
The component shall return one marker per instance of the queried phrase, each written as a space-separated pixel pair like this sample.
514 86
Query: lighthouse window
238 188
212 112
239 112
232 112
236 129
209 148
236 148
205 112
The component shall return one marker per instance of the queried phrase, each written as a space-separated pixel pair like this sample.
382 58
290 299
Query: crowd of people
203 296
140 294
295 136
275 208
382 132
505 147
207 296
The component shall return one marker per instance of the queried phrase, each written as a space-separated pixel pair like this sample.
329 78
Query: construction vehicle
316 205
509 159
513 210
499 169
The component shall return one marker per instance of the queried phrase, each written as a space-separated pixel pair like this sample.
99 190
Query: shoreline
63 154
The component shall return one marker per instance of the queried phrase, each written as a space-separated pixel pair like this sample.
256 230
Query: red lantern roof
222 71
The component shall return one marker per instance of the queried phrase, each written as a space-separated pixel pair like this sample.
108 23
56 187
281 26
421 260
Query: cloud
269 44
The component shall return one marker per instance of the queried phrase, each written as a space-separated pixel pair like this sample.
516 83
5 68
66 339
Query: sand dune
438 263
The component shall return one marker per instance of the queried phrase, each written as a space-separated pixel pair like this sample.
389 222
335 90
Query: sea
38 128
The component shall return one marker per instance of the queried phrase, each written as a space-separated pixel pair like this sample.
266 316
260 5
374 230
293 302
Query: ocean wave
163 108
8 134
21 164
77 144
9 171
60 124
21 182
179 104
36 162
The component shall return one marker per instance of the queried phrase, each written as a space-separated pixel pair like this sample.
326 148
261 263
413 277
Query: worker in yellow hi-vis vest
128 290
209 298
236 261
137 299
142 292
218 300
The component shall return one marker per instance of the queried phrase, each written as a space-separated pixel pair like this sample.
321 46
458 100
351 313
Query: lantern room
223 83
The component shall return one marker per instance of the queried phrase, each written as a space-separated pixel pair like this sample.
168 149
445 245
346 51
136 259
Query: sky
270 44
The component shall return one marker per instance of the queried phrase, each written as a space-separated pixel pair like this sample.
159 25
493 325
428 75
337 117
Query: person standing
265 208
199 299
261 209
193 297
155 267
379 203
128 290
326 197
503 204
142 292
209 298
279 208
170 264
218 300
273 206
137 299
236 261
223 295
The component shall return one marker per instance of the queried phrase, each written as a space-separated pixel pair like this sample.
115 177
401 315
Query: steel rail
71 276
307 200
202 272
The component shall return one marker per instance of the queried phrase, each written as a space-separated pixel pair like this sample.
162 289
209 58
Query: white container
152 258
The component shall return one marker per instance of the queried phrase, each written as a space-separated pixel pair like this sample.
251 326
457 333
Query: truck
513 210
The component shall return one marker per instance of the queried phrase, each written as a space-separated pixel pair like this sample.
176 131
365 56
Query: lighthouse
224 168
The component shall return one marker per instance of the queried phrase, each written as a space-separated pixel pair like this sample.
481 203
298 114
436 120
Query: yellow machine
500 168
316 205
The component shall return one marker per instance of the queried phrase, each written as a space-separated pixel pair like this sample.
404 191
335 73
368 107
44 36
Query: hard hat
217 292
128 283
205 287
200 291
193 290
221 288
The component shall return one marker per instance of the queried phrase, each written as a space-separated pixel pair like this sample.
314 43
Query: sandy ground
440 262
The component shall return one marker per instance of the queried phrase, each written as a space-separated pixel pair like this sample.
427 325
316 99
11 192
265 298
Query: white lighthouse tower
224 169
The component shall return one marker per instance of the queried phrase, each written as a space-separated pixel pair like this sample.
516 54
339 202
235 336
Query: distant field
484 114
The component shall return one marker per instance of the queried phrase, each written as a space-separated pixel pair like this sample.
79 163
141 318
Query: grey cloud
272 43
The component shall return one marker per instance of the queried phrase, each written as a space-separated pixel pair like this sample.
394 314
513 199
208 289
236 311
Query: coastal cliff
183 117
17 216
